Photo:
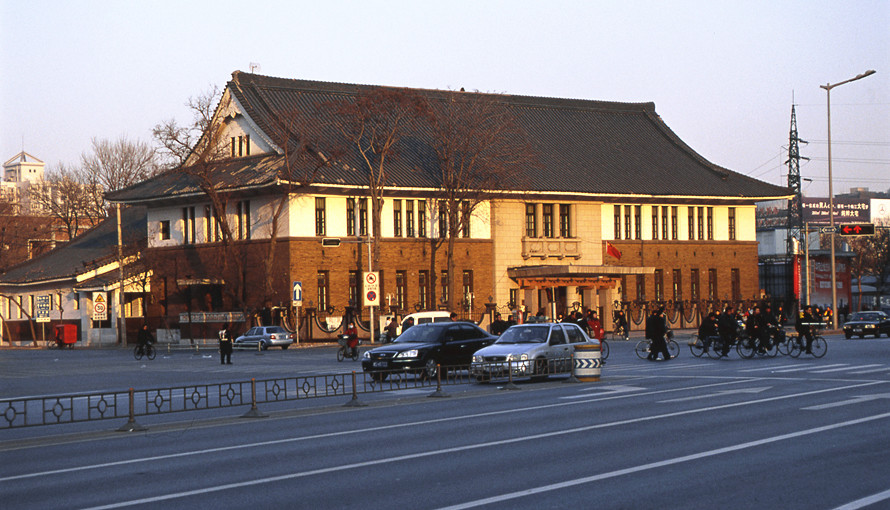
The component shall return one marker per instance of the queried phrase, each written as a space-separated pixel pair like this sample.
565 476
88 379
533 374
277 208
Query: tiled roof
81 254
581 146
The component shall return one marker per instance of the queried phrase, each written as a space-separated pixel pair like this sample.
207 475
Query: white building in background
20 174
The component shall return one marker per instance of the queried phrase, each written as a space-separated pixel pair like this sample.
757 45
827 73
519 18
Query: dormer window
240 146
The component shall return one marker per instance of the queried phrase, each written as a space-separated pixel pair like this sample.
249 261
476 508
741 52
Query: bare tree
64 197
372 124
176 141
872 258
113 165
479 148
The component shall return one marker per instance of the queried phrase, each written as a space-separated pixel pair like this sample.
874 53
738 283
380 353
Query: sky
723 75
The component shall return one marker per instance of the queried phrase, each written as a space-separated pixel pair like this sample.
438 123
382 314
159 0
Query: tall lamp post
828 88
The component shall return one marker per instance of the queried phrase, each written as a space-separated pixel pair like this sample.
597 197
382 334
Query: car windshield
421 333
524 335
865 317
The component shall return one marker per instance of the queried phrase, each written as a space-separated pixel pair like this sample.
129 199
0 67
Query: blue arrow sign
298 294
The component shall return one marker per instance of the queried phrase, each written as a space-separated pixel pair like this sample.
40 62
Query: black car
427 346
867 323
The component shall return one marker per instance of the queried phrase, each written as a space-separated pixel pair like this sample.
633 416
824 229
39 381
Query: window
402 290
701 223
675 223
547 217
712 284
465 218
323 289
627 222
397 218
421 218
654 222
423 283
694 282
443 220
247 145
211 228
242 210
565 221
353 289
691 222
616 211
732 223
409 218
664 222
320 216
443 281
678 286
513 297
363 217
638 222
188 225
234 146
710 223
164 229
531 220
351 220
659 285
468 289
641 287
736 284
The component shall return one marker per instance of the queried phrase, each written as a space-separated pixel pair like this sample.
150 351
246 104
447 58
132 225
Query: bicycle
747 347
818 349
697 345
642 348
148 351
604 349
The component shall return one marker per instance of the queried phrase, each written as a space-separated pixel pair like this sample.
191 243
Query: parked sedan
533 350
426 346
867 323
265 337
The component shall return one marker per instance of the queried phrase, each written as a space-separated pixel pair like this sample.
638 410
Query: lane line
810 367
668 462
842 369
866 501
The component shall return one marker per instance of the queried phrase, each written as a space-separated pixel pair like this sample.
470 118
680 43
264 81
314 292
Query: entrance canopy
591 277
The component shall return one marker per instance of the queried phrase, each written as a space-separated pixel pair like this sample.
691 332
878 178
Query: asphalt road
689 433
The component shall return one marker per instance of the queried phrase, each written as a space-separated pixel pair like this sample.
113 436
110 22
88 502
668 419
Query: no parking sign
372 289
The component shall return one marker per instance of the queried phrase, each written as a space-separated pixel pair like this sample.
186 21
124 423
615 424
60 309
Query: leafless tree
372 124
113 165
480 149
176 141
872 258
64 197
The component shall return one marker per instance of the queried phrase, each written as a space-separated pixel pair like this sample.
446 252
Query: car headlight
366 355
412 353
478 359
872 326
517 357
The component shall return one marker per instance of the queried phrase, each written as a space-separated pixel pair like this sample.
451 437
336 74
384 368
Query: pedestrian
225 345
499 325
408 323
656 329
392 329
453 316
595 326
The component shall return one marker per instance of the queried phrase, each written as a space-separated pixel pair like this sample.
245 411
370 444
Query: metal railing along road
132 403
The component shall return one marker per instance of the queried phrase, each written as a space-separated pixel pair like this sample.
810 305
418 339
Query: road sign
100 306
372 289
857 229
298 294
827 230
42 305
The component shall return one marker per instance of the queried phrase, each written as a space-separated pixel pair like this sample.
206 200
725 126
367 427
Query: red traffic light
857 229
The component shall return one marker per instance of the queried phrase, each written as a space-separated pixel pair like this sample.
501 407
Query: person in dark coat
757 329
804 327
499 325
143 339
708 330
727 327
656 330
621 319
225 345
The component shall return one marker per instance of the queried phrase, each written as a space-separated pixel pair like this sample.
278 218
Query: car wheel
431 368
378 376
284 347
263 345
540 370
848 335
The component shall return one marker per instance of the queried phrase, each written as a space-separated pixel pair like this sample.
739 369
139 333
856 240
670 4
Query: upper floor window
616 211
565 220
531 220
240 145
547 218
351 218
443 219
701 223
242 212
675 223
421 218
710 223
664 223
409 218
638 222
691 223
732 224
654 222
320 228
465 217
397 218
627 222
188 225
164 229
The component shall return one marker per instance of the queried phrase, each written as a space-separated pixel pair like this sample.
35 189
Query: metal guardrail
132 403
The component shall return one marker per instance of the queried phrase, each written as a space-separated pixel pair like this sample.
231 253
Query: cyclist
352 338
804 327
144 339
727 327
756 329
708 330
656 329
621 320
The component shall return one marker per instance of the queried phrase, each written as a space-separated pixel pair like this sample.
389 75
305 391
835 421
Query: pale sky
722 74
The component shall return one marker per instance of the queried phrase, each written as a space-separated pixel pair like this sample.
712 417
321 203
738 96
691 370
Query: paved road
689 433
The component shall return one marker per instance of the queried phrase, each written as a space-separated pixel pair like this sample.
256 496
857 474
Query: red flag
612 250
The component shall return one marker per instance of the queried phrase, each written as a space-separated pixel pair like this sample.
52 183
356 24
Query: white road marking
866 501
843 369
854 400
718 394
770 368
810 367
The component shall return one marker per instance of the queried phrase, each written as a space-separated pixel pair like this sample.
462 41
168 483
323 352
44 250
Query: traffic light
857 229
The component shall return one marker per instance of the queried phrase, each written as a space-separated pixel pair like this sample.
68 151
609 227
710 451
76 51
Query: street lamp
828 88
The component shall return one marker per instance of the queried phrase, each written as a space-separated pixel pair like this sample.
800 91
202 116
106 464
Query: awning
591 277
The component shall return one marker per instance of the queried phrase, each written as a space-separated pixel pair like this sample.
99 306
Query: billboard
846 210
